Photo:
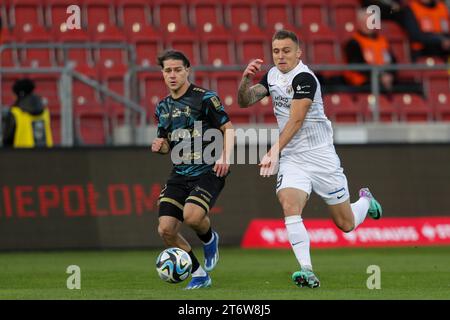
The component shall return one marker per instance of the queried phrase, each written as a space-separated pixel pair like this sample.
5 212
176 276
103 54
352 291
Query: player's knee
166 232
193 220
289 206
346 226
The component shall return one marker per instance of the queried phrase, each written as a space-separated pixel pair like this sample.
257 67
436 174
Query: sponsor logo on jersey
216 103
301 89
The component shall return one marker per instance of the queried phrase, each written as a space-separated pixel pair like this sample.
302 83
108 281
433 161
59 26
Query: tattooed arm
248 95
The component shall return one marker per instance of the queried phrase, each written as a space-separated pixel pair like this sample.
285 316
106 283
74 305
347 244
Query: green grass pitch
406 273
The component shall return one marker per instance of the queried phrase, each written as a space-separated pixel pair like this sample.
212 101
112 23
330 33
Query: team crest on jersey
289 90
216 103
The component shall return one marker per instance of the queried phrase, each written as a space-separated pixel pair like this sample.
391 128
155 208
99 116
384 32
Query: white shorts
317 170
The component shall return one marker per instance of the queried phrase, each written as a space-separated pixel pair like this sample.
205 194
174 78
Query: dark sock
195 263
206 237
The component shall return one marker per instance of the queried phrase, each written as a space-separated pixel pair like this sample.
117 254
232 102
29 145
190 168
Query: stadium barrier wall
106 197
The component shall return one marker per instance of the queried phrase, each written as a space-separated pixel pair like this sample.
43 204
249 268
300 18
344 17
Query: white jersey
299 83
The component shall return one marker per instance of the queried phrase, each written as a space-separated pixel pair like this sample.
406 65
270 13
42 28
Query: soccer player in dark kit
184 117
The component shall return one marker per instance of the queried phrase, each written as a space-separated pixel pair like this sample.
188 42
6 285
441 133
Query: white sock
299 239
199 272
359 209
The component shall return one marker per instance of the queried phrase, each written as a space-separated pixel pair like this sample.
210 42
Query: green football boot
375 210
305 278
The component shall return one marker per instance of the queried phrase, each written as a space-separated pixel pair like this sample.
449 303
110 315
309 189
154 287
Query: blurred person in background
27 122
427 25
368 46
390 9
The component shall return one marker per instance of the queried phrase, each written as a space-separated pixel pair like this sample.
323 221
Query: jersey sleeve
265 83
214 110
304 86
163 125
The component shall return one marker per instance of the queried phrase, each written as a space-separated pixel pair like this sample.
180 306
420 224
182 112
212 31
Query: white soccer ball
174 265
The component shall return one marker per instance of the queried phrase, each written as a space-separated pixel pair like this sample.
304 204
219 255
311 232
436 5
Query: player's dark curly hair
23 87
173 55
285 34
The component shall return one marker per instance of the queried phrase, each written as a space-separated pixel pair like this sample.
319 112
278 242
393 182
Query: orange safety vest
434 20
375 52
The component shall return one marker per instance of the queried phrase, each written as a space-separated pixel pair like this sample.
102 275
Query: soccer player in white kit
304 152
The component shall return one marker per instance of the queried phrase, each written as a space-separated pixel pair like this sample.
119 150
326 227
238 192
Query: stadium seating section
212 33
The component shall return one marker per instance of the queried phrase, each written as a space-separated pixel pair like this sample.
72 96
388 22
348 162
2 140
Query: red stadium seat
204 12
343 14
200 78
322 48
55 125
26 11
91 124
217 47
56 12
441 106
436 81
98 11
226 84
36 57
133 11
275 12
8 57
239 13
413 108
388 111
113 77
169 12
430 61
147 43
83 93
410 75
152 89
251 44
105 34
4 10
341 108
183 39
80 56
322 45
308 12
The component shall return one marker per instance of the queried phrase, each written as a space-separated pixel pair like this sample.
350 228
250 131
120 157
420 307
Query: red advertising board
271 233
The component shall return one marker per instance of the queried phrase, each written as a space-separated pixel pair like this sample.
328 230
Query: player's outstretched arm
160 145
299 109
248 94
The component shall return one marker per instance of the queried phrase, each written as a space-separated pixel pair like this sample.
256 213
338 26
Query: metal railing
67 75
374 74
131 97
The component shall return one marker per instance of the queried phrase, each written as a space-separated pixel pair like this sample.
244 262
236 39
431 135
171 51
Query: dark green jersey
190 116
